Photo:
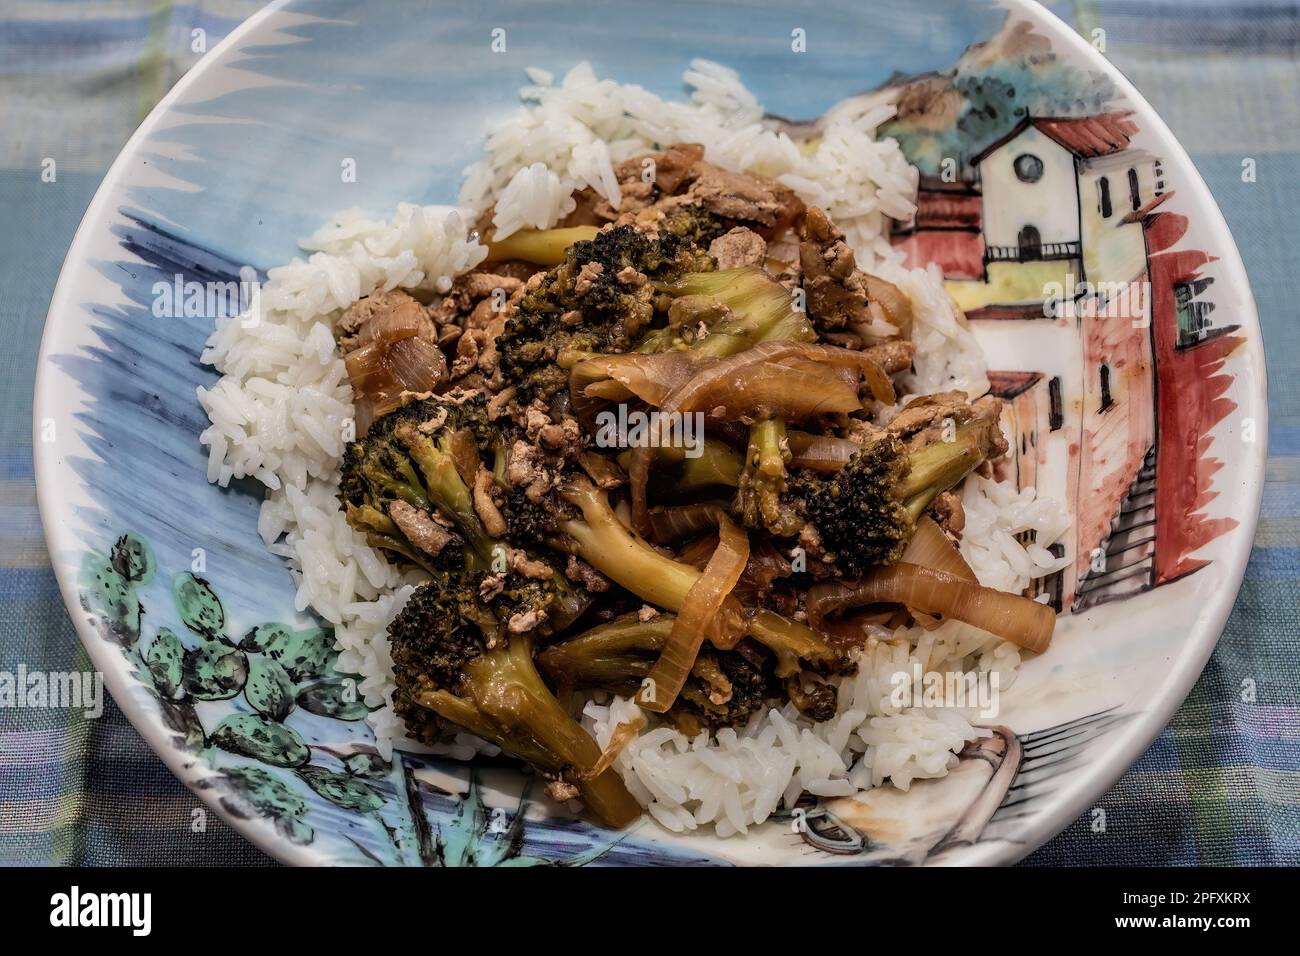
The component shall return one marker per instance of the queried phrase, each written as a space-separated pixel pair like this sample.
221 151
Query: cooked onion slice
387 369
822 453
1013 617
683 521
755 378
697 619
892 301
930 548
623 735
650 377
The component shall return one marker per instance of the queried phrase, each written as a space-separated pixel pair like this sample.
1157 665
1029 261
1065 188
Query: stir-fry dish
660 452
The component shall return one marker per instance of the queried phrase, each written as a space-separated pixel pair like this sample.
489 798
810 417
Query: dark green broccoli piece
406 459
403 488
694 226
455 664
865 513
591 302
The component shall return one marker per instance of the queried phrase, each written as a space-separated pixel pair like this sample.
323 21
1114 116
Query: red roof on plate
1090 136
1086 136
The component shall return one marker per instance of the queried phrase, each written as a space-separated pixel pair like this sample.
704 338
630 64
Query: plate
1138 400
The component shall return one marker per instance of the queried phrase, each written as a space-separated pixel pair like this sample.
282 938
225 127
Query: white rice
282 412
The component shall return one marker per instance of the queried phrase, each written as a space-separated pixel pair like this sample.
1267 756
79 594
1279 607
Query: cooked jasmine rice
283 410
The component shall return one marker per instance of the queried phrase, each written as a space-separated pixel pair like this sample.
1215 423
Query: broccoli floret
530 523
865 513
693 225
401 485
599 299
724 689
454 664
407 456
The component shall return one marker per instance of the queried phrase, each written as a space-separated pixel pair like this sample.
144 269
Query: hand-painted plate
1141 405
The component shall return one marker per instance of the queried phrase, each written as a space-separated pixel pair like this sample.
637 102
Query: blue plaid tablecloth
1220 786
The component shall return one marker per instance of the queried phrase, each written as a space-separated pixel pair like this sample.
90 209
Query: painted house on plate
1053 250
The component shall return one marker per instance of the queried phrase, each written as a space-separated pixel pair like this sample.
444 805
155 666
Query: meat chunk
921 413
421 530
580 572
667 169
950 514
484 505
835 289
893 356
587 277
561 790
931 417
739 247
745 197
527 469
522 564
675 165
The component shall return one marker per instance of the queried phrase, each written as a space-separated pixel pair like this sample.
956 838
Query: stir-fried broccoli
400 486
762 482
866 512
758 309
599 299
455 663
725 688
581 522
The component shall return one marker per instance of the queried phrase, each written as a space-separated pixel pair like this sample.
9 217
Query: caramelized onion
464 455
623 735
684 521
697 619
1013 617
385 368
766 564
823 453
896 306
930 548
650 377
741 382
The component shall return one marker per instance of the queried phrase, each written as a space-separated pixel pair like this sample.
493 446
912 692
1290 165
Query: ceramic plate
1141 405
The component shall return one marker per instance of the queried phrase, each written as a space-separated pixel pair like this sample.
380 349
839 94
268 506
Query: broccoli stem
938 466
609 654
405 484
716 464
543 247
510 705
765 440
601 540
795 645
398 546
762 483
762 311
